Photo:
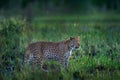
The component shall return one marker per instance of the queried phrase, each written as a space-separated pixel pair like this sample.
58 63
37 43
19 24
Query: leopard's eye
72 45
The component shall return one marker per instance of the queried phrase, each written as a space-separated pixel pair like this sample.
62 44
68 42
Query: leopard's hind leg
26 57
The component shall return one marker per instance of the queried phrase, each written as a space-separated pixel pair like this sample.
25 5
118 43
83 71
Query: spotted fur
37 52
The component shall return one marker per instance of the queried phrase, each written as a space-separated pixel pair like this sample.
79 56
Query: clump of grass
10 52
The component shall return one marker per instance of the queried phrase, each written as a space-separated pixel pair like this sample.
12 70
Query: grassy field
97 59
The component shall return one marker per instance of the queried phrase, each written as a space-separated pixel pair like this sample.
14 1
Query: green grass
97 59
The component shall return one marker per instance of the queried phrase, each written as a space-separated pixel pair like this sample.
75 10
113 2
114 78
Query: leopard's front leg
64 62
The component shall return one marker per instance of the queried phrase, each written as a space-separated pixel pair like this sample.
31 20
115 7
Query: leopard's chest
68 54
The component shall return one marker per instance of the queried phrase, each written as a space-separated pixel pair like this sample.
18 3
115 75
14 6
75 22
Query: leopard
38 52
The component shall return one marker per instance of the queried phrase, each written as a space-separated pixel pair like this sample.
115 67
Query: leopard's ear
71 38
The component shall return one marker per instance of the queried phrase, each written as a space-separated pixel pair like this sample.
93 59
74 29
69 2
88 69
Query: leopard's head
74 42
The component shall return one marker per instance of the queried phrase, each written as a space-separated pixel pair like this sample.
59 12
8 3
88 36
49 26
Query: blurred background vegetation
97 22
